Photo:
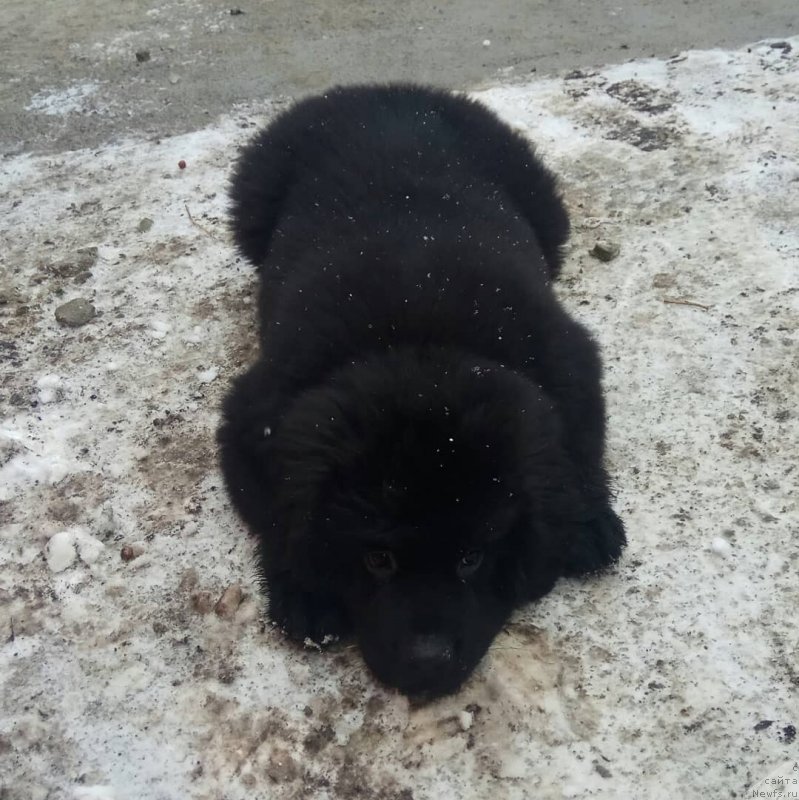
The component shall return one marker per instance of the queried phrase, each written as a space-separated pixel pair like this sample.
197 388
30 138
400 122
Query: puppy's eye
381 563
469 563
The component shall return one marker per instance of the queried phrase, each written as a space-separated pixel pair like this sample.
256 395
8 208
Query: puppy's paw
597 543
306 617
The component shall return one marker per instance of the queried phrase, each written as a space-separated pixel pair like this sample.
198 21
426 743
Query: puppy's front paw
597 543
306 616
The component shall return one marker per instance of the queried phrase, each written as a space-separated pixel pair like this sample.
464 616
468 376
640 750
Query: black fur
420 394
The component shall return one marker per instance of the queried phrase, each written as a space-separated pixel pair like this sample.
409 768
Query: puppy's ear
246 442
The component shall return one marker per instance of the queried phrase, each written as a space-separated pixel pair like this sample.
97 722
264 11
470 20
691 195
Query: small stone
131 551
236 12
202 602
87 257
188 580
142 56
605 250
603 770
75 313
174 78
181 164
465 719
229 601
282 768
76 266
486 42
144 225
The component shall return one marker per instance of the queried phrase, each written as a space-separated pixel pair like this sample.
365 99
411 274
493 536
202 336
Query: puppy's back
384 152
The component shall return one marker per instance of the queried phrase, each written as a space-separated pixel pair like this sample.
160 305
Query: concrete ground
202 58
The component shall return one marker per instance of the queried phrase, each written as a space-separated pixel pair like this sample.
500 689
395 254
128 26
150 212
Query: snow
652 681
94 793
721 547
208 375
48 386
61 552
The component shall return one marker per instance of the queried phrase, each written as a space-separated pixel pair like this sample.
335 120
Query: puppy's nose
431 650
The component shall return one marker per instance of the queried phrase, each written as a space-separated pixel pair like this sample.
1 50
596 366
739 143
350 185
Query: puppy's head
412 489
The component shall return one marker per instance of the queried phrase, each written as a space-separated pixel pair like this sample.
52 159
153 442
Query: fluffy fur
419 447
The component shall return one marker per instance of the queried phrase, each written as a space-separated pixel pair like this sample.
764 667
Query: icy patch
64 101
94 793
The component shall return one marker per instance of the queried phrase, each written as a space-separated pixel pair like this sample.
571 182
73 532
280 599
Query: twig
197 224
676 301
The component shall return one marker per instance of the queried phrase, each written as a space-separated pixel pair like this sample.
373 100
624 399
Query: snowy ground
120 676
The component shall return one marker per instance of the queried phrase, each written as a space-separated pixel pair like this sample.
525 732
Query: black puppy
419 448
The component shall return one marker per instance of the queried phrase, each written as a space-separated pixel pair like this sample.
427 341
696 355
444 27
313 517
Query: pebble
75 313
605 250
142 56
465 719
229 601
144 225
131 551
87 257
